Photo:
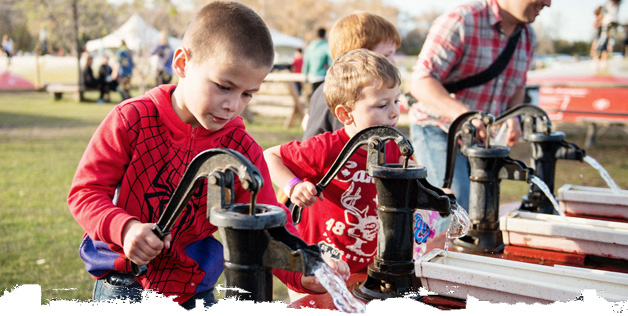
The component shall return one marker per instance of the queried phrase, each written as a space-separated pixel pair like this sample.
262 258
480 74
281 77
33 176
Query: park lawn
42 141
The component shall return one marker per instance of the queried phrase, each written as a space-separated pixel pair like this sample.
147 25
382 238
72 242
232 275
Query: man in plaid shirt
462 43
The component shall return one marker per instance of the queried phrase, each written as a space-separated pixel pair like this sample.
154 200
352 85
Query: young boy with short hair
137 156
362 89
357 30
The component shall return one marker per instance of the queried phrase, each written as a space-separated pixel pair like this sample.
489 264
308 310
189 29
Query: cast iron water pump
547 147
401 189
254 235
488 165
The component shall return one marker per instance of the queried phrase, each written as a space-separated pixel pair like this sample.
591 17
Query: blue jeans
430 151
119 285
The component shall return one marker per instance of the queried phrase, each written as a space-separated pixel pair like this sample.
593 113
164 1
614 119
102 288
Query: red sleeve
100 170
298 157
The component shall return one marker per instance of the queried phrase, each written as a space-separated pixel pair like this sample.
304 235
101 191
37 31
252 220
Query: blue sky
566 19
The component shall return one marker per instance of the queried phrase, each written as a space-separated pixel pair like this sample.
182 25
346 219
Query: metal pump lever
537 128
217 165
462 130
375 134
530 115
547 147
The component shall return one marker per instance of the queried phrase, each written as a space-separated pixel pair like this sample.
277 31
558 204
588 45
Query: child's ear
179 61
343 114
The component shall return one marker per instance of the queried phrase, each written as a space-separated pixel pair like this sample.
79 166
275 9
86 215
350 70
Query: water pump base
380 285
479 242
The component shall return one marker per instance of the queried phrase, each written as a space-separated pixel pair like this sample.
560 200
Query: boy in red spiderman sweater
137 156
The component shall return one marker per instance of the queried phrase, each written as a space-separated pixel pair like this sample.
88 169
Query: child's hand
141 245
340 267
304 194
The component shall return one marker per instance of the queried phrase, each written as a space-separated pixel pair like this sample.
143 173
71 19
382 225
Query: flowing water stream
458 226
336 287
607 177
543 186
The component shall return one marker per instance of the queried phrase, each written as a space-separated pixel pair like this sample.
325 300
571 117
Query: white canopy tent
285 46
138 35
141 38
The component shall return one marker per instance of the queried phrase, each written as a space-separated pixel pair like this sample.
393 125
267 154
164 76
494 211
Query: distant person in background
42 44
125 70
317 59
297 65
164 54
107 83
597 28
7 48
87 73
610 22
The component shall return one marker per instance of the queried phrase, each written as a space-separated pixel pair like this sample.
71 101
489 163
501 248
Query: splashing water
543 186
458 226
336 287
607 177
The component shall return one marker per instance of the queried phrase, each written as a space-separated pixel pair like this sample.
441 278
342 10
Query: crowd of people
143 146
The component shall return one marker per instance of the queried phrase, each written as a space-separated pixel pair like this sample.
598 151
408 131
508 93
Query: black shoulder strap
489 73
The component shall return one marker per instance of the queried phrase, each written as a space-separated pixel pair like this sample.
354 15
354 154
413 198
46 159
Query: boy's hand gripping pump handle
203 166
381 133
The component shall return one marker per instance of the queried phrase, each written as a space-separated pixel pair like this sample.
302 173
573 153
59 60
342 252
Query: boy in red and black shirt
362 89
137 156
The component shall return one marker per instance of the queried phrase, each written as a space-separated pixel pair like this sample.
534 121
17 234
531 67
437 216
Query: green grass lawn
41 142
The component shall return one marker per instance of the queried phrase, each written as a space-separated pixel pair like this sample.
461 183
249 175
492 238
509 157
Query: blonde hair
232 29
361 30
352 72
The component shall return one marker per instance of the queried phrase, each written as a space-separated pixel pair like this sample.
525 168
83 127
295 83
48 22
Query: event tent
285 46
142 37
138 35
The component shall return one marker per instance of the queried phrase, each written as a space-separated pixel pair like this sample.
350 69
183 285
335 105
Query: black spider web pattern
155 172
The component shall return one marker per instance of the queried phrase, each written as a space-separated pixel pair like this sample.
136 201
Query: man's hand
514 131
141 245
480 130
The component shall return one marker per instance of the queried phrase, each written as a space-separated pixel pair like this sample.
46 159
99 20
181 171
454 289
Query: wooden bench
57 90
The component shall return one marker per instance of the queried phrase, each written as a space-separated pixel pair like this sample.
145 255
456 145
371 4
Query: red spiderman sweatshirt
131 167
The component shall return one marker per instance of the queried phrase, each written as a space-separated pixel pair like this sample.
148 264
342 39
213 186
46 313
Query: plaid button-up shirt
464 42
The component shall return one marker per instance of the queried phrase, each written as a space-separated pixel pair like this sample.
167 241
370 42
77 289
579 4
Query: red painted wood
555 256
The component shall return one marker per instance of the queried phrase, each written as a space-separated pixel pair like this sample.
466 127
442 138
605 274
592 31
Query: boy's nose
231 104
395 112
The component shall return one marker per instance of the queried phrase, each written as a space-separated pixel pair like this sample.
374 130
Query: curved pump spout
547 147
488 166
375 137
254 235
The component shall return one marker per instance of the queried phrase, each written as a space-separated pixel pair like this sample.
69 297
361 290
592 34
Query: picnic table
57 90
598 101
